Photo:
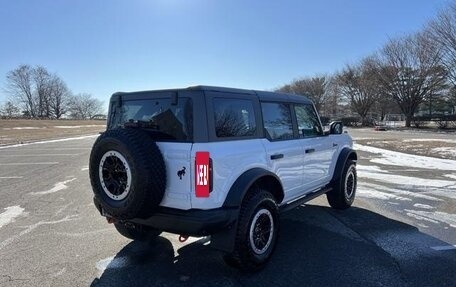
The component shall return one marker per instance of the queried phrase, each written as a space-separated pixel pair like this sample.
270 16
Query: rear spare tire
127 173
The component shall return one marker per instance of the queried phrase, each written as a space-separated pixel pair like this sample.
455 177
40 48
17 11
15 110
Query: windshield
170 122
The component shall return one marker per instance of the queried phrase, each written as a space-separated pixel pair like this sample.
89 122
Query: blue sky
101 47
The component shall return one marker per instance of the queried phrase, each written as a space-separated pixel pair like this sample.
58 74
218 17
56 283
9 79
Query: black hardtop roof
262 95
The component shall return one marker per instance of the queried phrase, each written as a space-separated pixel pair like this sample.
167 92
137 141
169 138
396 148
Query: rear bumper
193 222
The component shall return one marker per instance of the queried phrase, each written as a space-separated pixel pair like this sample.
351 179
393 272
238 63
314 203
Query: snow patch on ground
453 176
57 187
111 263
424 206
442 192
445 151
408 181
84 168
433 216
399 192
78 127
25 128
370 168
10 214
363 139
388 157
367 192
431 140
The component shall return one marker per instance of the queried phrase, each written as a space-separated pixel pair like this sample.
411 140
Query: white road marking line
50 141
48 154
11 177
84 234
57 274
30 163
444 247
57 187
10 214
54 149
32 227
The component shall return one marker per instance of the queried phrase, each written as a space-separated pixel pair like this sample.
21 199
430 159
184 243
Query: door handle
277 156
334 144
310 150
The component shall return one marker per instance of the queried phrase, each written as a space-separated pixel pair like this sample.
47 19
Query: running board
297 202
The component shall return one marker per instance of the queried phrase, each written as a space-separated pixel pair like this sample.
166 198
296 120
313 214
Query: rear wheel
136 232
343 193
256 237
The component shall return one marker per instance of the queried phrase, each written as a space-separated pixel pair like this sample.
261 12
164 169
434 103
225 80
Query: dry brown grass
20 131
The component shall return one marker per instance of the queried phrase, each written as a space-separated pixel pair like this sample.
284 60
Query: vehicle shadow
317 247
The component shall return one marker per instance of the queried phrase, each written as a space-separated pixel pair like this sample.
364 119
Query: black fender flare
225 239
242 184
344 156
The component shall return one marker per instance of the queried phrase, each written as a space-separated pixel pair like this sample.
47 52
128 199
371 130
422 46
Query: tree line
412 75
36 93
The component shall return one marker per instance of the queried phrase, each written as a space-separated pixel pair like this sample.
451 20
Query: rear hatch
170 123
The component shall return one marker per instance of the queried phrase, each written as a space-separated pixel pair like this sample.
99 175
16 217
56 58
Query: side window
308 124
234 118
277 121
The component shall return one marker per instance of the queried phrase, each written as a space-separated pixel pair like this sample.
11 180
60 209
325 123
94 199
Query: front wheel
256 237
344 189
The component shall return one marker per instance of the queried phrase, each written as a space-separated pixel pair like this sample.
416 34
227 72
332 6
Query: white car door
318 148
284 153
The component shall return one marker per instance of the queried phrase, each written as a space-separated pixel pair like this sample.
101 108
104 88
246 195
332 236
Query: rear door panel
178 174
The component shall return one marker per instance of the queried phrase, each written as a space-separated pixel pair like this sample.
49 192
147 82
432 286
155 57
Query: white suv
217 161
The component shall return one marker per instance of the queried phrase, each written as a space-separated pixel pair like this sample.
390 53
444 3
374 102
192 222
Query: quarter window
234 118
277 121
308 123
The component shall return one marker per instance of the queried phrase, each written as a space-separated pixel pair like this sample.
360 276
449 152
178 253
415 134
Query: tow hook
183 238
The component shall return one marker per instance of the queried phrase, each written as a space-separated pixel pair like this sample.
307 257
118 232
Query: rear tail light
203 174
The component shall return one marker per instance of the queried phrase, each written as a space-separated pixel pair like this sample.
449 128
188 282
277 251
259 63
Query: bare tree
59 97
20 86
42 81
315 88
358 85
442 31
40 93
331 105
409 70
85 106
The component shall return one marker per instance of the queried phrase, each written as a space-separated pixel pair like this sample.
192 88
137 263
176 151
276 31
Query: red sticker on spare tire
202 174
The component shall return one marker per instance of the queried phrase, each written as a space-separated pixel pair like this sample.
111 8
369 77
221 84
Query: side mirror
336 128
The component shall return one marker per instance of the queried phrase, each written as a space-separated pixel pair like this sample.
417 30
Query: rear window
166 121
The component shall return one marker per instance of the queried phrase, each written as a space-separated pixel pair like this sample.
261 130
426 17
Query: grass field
21 131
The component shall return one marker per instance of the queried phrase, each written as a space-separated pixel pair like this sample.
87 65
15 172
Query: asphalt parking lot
400 232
